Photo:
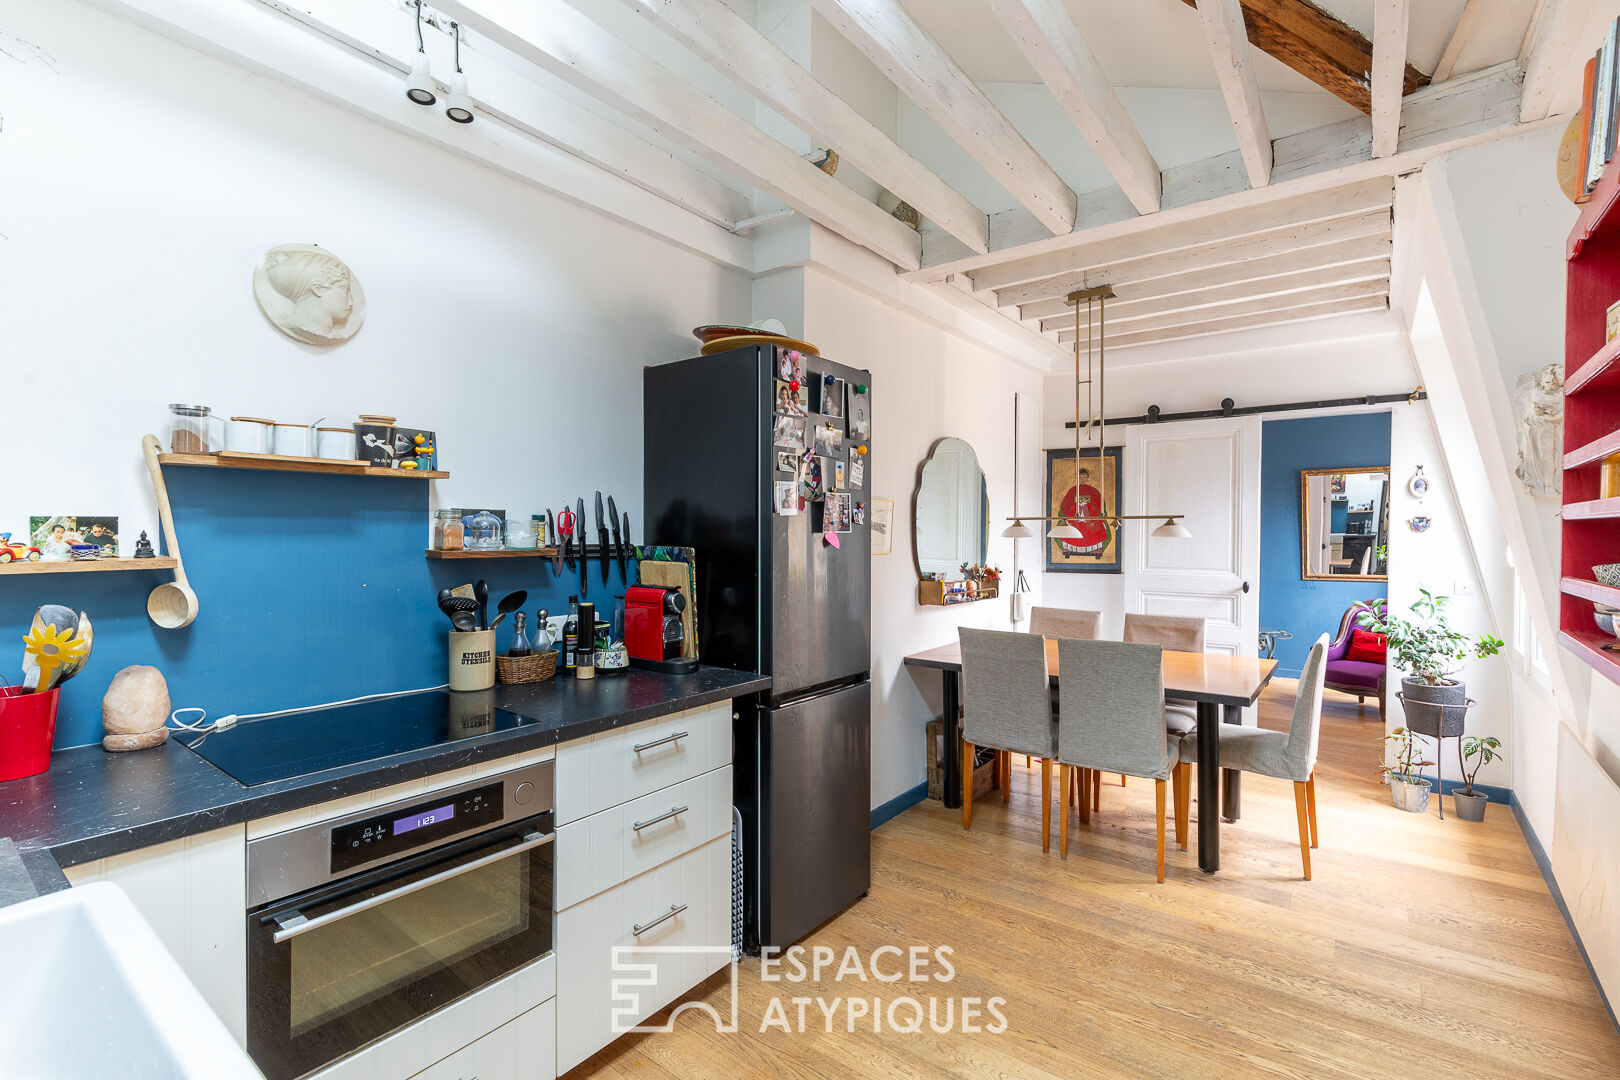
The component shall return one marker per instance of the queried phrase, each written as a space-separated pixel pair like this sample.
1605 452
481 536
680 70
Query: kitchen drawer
600 851
613 767
523 1049
410 1050
680 951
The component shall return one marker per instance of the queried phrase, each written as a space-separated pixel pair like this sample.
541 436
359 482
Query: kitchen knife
579 530
628 547
565 529
602 538
618 540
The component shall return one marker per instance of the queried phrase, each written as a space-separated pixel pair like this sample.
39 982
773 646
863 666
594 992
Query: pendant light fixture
1066 528
419 83
458 106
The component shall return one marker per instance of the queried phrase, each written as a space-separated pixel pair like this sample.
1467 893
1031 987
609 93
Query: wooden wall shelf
1588 589
530 553
932 594
87 566
270 463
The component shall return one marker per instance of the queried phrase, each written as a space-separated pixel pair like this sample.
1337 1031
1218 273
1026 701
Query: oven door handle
294 923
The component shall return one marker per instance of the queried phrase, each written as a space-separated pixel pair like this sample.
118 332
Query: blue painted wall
1288 602
312 588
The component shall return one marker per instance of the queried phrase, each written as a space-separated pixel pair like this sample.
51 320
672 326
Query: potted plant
1431 650
1400 765
1471 807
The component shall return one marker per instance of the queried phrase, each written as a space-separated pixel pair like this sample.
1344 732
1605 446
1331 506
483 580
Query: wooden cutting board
1570 156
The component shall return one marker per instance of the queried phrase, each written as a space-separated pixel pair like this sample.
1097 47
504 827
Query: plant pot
1409 795
1434 709
1469 807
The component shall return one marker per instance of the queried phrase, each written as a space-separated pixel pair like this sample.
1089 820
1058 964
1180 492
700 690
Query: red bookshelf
1591 524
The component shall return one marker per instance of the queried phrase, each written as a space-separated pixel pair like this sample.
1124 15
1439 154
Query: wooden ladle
171 605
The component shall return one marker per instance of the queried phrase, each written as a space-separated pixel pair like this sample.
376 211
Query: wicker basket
536 667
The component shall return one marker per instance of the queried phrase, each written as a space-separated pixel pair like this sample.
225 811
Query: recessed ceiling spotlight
419 83
458 106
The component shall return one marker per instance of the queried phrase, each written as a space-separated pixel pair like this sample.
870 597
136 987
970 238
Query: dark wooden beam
1318 45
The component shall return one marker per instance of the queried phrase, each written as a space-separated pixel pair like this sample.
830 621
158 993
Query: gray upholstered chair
1007 706
1287 755
1111 719
1065 623
1178 633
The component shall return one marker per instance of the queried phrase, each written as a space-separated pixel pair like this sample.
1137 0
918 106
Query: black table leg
1209 766
953 741
1232 779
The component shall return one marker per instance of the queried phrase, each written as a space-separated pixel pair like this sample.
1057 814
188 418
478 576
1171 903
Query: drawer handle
638 826
674 910
660 742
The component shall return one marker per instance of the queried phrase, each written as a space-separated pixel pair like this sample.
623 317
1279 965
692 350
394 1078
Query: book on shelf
1601 105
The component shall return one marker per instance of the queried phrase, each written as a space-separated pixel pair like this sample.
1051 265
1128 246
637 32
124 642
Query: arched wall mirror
1344 524
950 523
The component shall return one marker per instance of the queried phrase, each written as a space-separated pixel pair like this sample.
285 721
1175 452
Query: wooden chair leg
1184 804
1310 805
1303 813
967 784
1177 779
1026 761
1158 798
1096 790
1046 805
1066 775
1121 779
1082 796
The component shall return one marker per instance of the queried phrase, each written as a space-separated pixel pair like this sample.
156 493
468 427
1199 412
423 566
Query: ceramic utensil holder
472 659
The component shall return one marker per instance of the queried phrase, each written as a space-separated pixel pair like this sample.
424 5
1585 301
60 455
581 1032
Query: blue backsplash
312 588
1287 601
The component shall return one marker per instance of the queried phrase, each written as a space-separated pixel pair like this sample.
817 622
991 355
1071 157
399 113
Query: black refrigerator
777 594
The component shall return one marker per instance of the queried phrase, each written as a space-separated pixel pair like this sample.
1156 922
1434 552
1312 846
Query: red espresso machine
652 629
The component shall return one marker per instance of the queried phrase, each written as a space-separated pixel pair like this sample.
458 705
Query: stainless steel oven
364 924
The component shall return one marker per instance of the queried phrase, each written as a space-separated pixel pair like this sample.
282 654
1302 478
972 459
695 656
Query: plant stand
1438 722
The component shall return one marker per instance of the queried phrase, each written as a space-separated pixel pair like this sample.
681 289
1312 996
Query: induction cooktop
289 744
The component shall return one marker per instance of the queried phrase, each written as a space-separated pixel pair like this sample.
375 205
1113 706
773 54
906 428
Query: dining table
1221 686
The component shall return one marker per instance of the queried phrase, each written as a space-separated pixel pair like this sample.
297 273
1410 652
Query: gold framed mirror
1344 524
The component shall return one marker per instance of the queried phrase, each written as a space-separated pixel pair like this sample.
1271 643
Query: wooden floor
1421 947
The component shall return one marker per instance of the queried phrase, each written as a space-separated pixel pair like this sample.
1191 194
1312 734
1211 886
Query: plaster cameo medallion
309 293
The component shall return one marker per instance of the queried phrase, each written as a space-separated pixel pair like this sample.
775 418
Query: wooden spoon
171 605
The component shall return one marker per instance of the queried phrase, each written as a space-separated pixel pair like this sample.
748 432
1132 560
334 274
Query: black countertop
91 804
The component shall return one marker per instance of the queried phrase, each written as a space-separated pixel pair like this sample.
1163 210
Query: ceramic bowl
1608 574
1606 622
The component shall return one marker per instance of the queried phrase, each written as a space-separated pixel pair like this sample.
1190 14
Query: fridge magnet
837 516
829 440
787 497
838 476
830 539
831 402
791 398
789 432
74 536
1077 496
857 473
860 513
860 413
787 461
882 526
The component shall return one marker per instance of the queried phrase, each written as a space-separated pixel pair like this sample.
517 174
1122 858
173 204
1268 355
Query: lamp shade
1172 529
1018 530
458 106
419 83
1063 531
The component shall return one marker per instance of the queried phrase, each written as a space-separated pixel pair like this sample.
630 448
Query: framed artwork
882 526
1336 484
1070 496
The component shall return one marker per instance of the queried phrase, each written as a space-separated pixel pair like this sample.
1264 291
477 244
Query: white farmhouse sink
87 990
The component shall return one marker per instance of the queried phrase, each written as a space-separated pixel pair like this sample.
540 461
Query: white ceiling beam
1131 306
1234 68
737 50
1089 272
1249 322
1146 280
1563 34
560 40
1391 23
1123 323
1468 23
1466 110
1054 46
1354 199
915 63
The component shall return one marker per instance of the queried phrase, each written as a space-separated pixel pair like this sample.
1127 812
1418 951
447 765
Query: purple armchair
1358 677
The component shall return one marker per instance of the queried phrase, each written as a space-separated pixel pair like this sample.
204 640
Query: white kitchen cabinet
616 766
521 1049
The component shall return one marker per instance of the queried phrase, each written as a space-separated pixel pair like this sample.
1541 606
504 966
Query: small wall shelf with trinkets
85 566
949 593
227 459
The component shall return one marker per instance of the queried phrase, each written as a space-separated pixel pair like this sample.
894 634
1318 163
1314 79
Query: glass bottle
571 632
542 631
520 640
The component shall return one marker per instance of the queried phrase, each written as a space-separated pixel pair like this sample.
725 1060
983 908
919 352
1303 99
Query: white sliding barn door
1208 472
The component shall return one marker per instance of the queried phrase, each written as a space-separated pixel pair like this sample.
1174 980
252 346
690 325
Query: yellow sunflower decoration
52 649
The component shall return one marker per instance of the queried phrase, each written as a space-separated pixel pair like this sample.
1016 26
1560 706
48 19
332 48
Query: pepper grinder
585 642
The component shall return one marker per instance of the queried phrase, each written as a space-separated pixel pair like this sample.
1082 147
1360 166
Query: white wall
142 183
926 385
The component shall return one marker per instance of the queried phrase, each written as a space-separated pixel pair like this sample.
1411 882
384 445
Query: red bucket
27 725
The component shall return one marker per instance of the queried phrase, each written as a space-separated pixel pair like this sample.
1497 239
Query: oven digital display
416 821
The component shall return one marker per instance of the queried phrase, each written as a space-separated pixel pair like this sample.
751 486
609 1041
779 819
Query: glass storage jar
188 429
484 532
448 531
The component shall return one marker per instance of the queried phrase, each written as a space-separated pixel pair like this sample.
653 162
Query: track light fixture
419 83
458 106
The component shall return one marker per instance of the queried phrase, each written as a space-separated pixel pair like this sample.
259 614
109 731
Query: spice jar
188 429
448 531
1609 478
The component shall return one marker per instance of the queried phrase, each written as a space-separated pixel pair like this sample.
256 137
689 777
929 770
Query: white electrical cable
204 728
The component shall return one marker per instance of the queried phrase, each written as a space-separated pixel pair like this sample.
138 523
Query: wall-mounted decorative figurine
1418 486
309 293
1419 523
882 526
1538 417
143 547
